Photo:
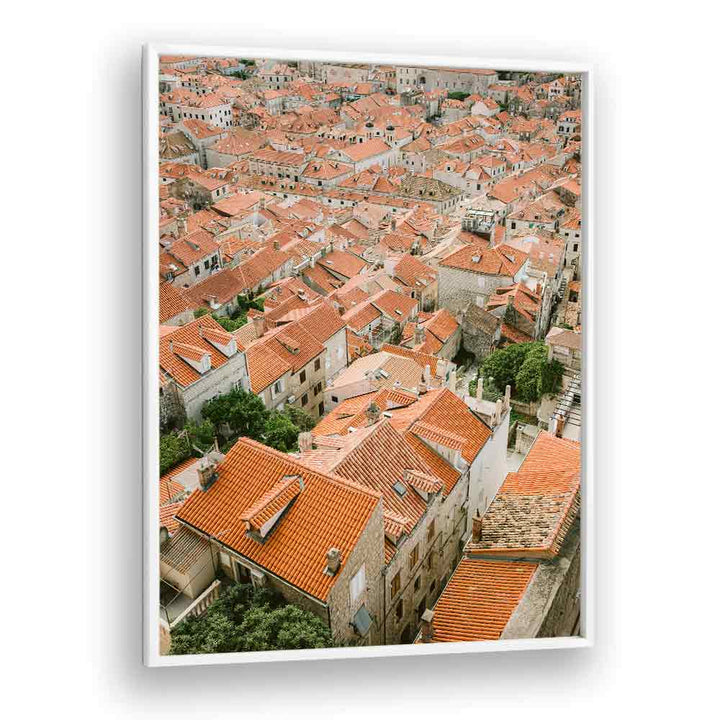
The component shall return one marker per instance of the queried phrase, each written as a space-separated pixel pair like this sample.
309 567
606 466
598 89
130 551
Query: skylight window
399 488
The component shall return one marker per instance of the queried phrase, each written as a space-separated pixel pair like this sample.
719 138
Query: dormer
261 517
196 357
424 485
219 339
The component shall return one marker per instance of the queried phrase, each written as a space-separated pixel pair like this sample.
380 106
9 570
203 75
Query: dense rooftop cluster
351 242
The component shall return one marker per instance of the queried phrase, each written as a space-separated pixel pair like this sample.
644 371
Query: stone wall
218 381
368 551
457 288
551 604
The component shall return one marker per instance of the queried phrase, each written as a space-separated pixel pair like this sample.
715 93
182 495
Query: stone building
565 346
474 272
520 574
286 365
457 447
254 520
471 81
480 331
198 362
520 310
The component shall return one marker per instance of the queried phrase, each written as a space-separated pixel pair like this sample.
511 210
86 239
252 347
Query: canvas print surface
370 342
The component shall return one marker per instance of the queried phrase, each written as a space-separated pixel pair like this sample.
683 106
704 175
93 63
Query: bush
232 323
458 96
244 619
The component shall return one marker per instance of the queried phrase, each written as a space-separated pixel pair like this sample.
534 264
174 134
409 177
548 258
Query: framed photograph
368 378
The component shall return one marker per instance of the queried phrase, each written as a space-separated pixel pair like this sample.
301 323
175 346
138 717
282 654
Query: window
399 610
304 399
414 555
303 376
321 409
357 584
317 389
395 585
418 580
277 388
207 264
431 530
197 270
317 363
334 398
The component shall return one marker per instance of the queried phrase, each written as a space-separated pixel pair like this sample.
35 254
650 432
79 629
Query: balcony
175 606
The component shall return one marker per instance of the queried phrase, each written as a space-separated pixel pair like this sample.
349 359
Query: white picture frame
150 322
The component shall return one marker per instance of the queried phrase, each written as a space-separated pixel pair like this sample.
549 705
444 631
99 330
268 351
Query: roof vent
476 258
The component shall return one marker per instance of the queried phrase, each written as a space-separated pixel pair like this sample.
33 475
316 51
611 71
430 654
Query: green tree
201 435
458 95
200 312
525 367
284 628
173 450
503 365
280 432
246 618
303 420
243 411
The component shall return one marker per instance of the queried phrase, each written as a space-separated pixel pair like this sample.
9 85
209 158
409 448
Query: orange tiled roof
536 506
480 599
328 512
343 263
188 339
377 457
172 302
264 366
220 287
448 414
487 261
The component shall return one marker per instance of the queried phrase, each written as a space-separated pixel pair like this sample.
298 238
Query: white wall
81 627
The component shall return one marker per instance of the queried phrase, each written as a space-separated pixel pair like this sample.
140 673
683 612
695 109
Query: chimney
259 325
419 335
305 441
476 527
422 389
426 375
506 399
334 560
373 413
553 426
276 245
498 410
181 226
206 473
452 382
427 627
479 390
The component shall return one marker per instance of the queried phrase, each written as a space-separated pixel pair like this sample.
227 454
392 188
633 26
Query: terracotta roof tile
172 302
328 512
480 599
535 507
